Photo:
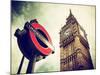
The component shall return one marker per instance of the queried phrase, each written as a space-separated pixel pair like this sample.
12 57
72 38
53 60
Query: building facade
74 46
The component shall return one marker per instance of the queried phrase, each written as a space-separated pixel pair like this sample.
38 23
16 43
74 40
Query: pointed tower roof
70 14
71 17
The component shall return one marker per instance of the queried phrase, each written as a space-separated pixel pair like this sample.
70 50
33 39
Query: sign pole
31 65
20 66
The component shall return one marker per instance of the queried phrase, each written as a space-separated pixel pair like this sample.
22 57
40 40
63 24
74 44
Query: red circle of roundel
43 50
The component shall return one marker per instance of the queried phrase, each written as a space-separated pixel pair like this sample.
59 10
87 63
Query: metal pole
20 66
31 64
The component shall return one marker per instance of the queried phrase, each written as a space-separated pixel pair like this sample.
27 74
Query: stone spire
70 12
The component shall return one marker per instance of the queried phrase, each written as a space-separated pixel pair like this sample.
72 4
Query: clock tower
74 46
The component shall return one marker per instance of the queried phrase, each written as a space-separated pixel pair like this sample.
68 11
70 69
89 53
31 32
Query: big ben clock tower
74 46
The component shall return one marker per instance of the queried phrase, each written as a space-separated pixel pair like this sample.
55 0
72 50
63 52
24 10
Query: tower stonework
74 46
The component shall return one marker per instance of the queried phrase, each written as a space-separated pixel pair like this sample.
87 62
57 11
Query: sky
52 17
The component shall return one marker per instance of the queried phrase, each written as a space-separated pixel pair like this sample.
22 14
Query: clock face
67 32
